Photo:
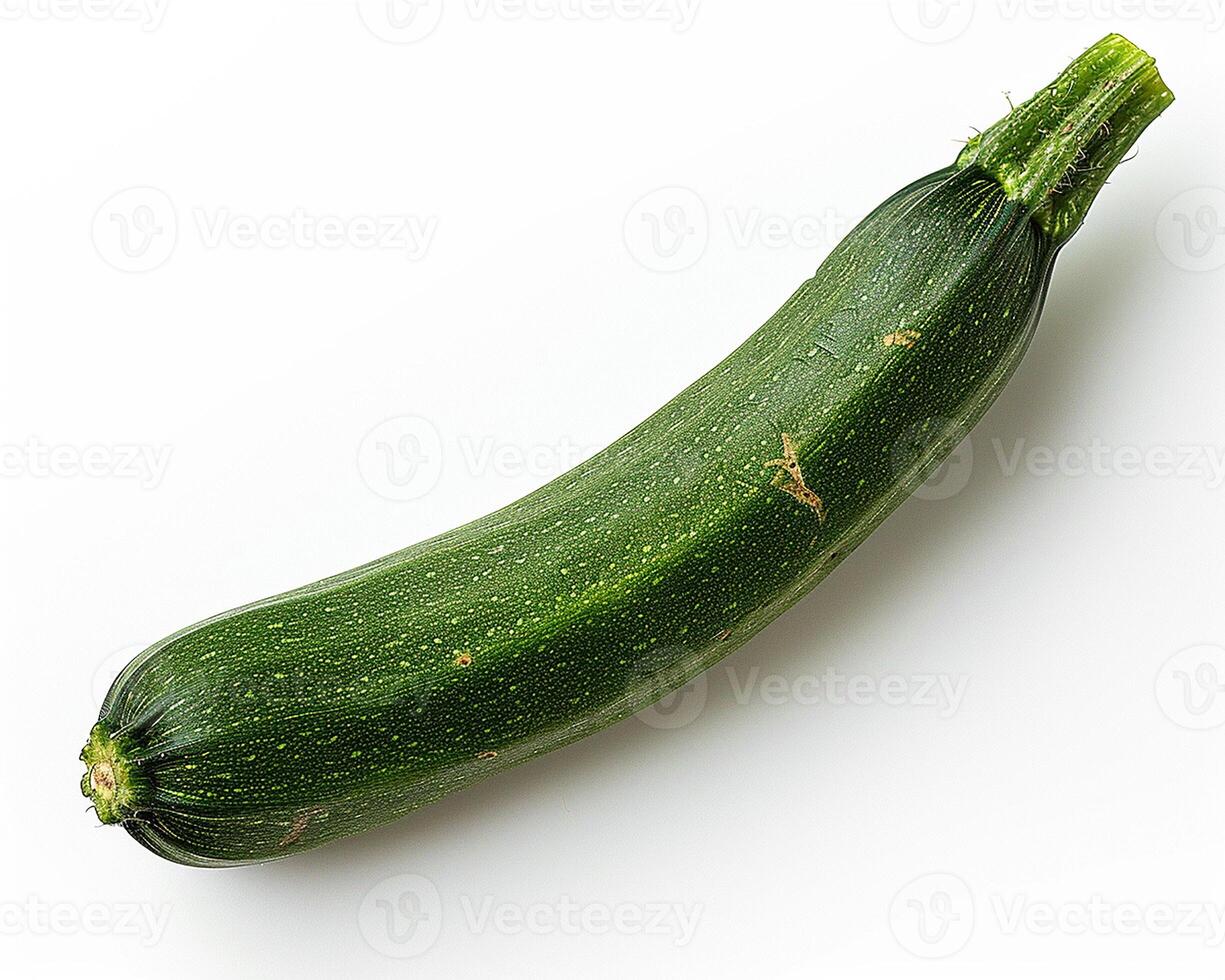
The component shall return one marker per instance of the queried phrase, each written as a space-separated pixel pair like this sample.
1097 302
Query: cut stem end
1055 152
111 781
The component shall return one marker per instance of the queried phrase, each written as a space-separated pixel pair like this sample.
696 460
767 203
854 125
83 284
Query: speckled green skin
332 709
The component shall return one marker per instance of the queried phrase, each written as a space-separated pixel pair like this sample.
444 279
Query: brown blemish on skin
463 658
790 479
902 338
488 755
299 827
723 634
296 831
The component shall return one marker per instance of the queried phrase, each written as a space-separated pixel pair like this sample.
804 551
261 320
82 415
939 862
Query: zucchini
339 706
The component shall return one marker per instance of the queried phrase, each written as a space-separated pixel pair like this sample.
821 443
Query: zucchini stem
110 780
1054 152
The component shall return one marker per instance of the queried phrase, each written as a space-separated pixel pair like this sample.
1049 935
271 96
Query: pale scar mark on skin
902 338
299 827
790 479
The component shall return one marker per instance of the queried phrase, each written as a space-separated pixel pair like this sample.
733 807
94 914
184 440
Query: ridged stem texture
1055 152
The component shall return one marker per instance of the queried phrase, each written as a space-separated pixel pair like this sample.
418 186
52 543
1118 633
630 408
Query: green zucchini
334 708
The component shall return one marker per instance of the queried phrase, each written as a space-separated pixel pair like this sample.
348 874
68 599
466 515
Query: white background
214 429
